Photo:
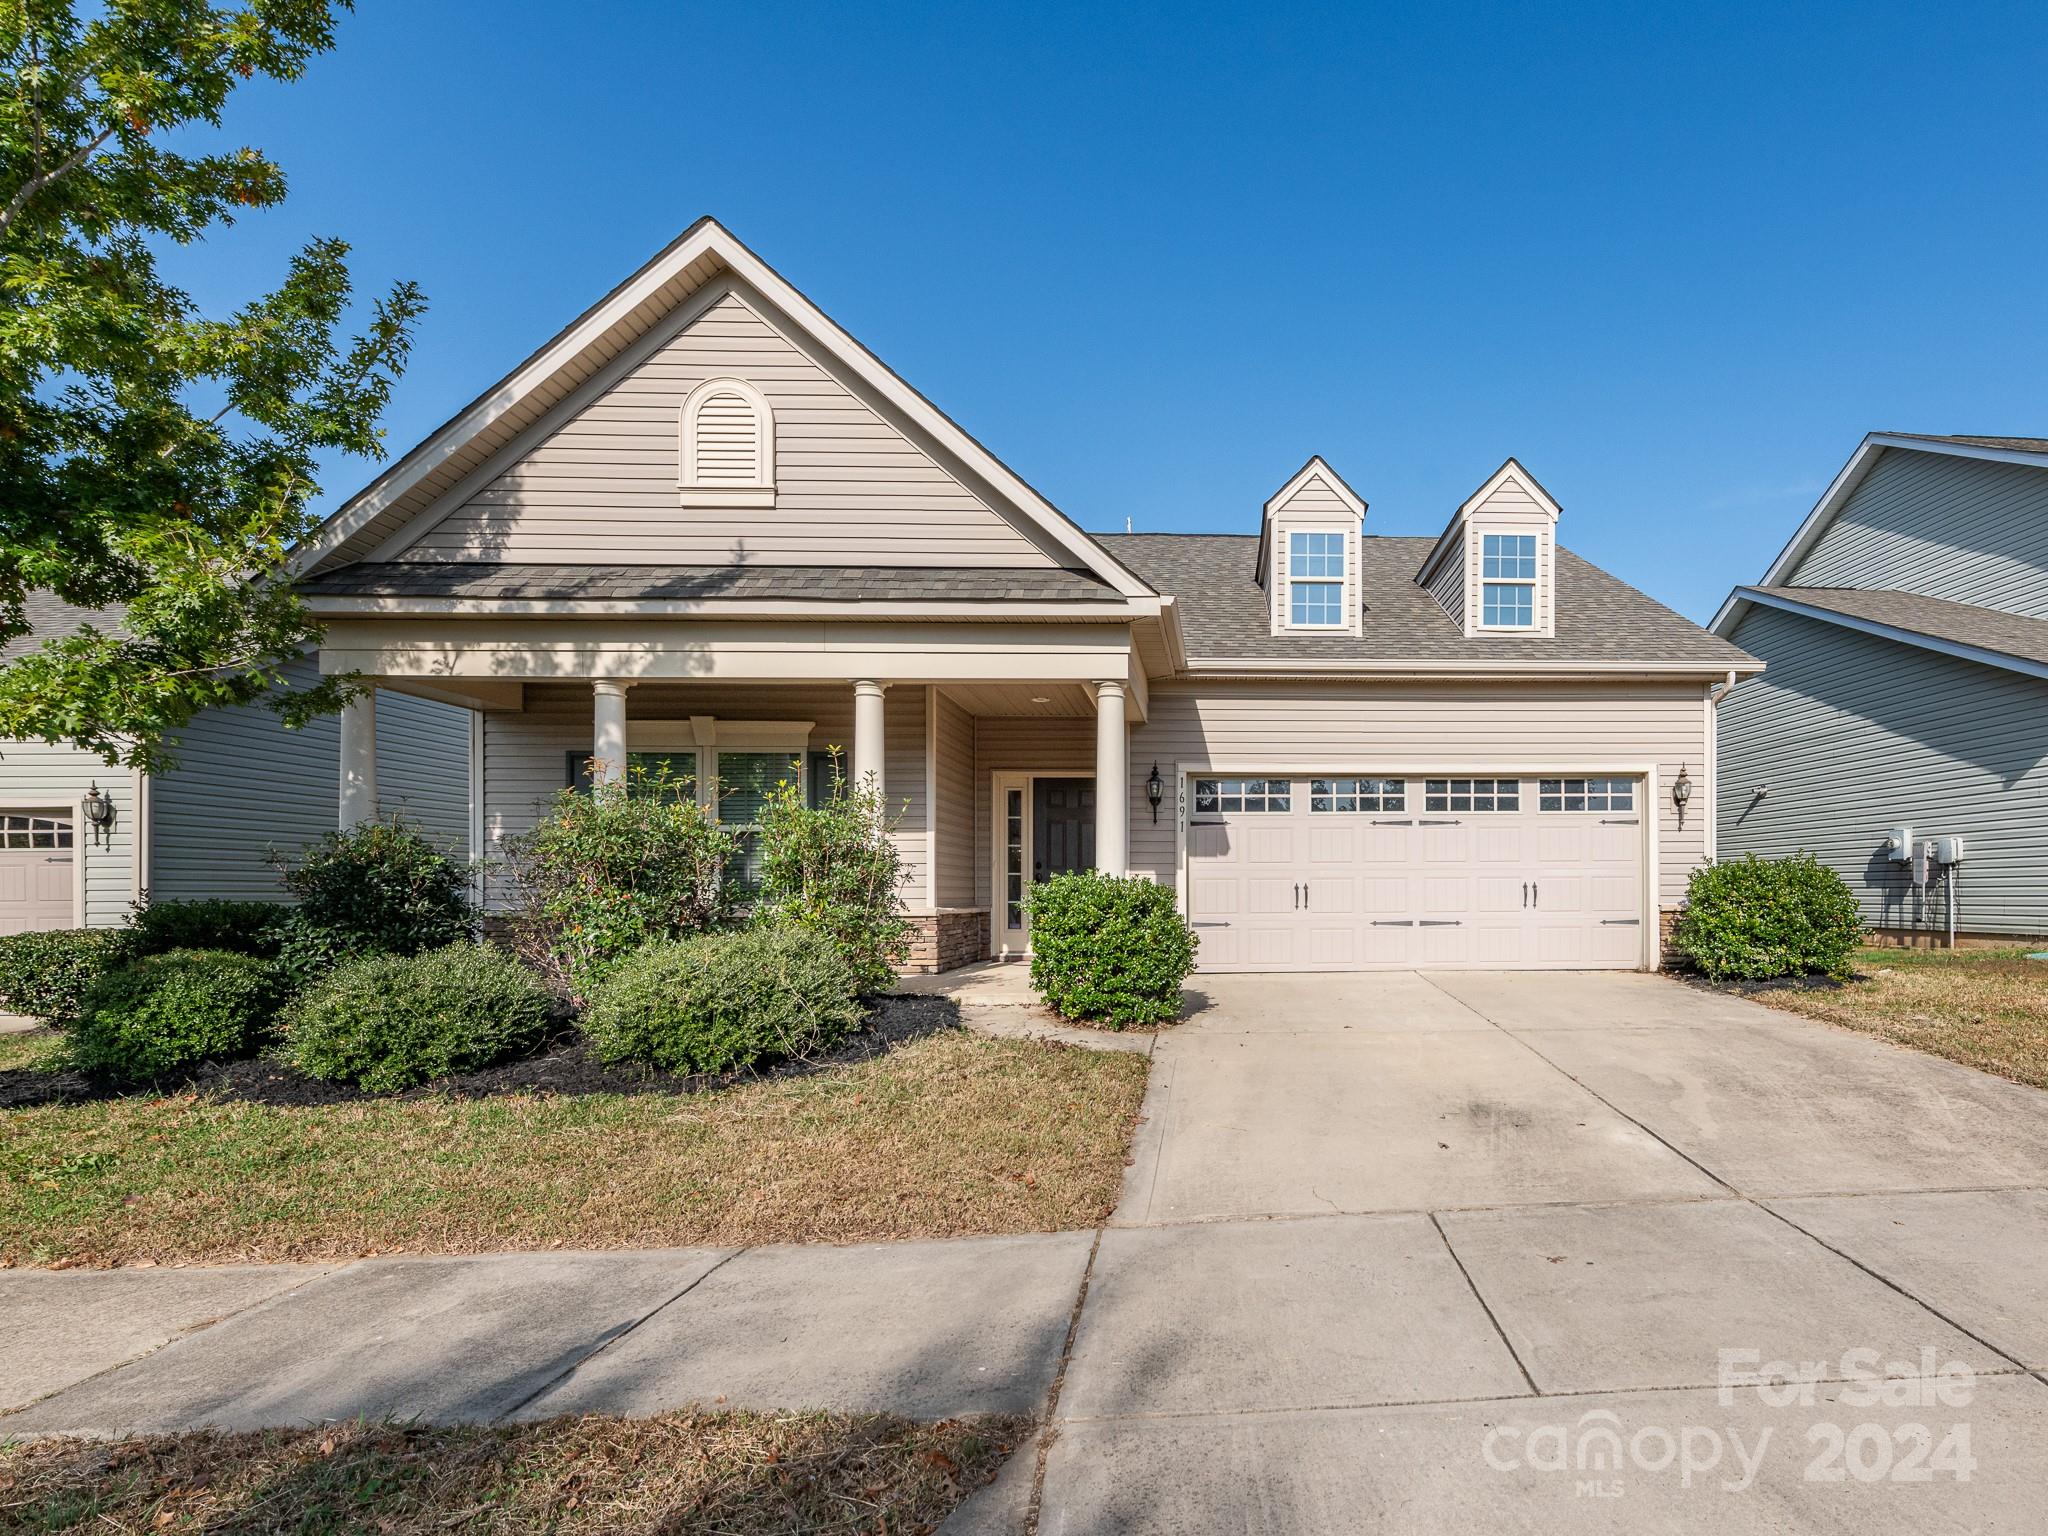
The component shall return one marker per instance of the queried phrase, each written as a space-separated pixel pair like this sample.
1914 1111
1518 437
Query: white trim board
1742 598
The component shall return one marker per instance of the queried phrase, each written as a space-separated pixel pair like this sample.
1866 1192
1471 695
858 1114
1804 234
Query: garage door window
1218 795
35 832
1335 795
1587 795
1472 795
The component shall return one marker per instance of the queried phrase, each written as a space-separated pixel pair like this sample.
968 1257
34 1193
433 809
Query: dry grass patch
946 1136
747 1474
1984 1008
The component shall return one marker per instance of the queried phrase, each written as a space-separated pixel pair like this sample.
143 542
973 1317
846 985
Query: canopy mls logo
1599 1449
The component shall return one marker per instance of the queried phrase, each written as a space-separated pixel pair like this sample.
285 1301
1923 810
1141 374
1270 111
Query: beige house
704 523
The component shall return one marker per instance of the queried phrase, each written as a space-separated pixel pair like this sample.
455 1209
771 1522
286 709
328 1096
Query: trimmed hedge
717 1002
1108 950
390 1022
165 1014
241 927
46 975
380 887
1759 918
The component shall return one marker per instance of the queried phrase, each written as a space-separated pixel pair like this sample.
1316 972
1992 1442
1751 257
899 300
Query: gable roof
1511 468
2012 641
51 618
1603 624
1317 468
2010 450
576 352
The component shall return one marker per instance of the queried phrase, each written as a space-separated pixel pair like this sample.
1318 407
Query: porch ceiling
1053 700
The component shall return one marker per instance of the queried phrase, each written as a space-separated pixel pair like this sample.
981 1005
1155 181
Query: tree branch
64 167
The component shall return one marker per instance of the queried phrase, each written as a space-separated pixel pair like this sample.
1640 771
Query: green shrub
612 868
46 975
1760 918
242 927
720 1001
833 868
388 1022
377 888
1112 951
165 1014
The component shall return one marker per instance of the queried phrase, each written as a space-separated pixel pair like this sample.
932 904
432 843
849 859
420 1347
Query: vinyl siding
1510 509
1039 744
1296 728
30 771
851 488
953 859
244 783
1852 735
1970 530
526 752
1447 586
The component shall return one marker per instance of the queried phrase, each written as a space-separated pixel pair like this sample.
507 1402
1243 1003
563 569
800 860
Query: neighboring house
242 784
704 524
1906 627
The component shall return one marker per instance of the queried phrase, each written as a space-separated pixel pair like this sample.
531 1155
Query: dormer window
1507 573
1315 580
728 446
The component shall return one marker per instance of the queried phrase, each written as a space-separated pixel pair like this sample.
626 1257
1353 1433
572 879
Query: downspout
1715 694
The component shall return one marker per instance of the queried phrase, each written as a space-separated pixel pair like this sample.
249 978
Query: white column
359 759
867 734
1112 782
608 738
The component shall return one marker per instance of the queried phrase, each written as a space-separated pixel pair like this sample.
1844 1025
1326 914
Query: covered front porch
991 781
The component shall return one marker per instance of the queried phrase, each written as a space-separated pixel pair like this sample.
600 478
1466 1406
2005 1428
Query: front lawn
947 1135
747 1474
1986 1008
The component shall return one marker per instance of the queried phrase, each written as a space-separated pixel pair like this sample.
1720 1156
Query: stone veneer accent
945 940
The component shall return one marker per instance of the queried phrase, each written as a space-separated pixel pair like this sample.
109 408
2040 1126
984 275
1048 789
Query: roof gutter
1228 667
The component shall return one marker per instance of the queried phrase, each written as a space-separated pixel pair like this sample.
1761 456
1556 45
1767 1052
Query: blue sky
1155 256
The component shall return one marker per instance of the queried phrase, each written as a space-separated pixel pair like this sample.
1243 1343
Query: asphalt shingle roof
51 618
647 583
1989 629
2017 444
1224 614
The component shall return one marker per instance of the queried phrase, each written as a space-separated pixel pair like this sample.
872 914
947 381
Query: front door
1062 827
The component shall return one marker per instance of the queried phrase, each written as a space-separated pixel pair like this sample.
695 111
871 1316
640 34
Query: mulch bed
564 1067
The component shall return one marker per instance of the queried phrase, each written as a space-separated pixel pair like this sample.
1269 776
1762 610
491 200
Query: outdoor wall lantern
98 806
1155 791
1681 791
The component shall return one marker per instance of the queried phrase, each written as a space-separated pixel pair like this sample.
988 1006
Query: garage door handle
1621 922
1379 823
1617 821
1205 823
58 858
1442 922
1208 925
1393 922
1453 822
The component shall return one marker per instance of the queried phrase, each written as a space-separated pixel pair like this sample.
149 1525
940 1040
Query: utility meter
1948 850
1900 845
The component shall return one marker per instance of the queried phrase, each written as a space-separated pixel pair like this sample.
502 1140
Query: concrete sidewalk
1390 1246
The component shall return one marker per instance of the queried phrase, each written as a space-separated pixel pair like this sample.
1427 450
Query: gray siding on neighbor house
1970 530
1853 735
244 783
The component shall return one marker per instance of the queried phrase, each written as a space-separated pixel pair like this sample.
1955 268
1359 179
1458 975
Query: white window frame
1471 793
706 734
760 491
1595 793
1341 581
1526 583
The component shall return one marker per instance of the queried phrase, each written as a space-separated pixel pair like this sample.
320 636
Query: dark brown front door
1062 826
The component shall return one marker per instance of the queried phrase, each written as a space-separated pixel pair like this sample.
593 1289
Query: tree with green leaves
156 461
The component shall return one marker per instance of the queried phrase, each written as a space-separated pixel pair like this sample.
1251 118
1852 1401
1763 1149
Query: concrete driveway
1396 1253
1407 1252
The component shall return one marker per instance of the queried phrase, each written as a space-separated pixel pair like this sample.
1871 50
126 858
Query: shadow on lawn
566 1066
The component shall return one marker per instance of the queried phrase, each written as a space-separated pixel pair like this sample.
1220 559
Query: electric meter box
1948 850
1899 844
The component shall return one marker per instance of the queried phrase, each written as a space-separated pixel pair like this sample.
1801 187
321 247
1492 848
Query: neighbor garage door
38 880
1349 873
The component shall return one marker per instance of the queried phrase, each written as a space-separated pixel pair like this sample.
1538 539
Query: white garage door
1349 873
37 876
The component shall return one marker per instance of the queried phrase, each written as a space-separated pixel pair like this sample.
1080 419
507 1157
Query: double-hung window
1315 580
1507 576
